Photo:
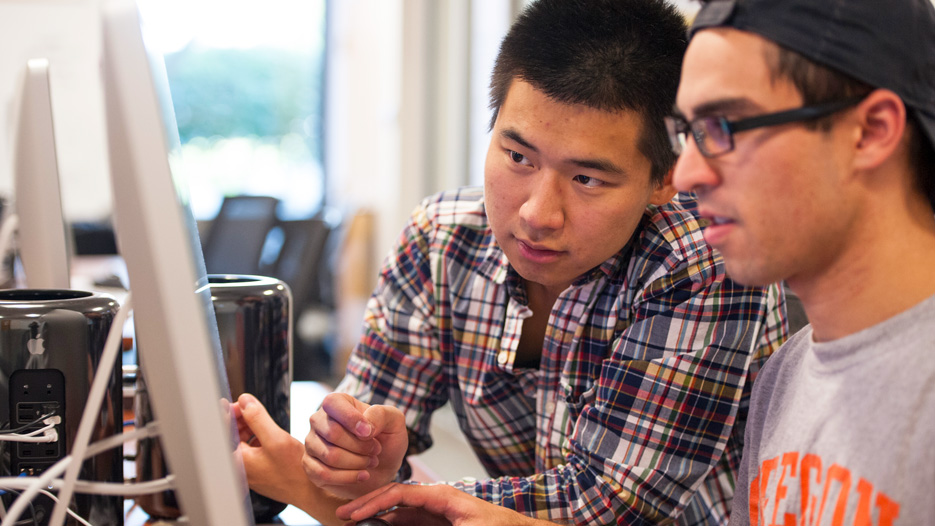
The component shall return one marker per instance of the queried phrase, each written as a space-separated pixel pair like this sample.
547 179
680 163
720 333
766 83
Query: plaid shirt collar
496 267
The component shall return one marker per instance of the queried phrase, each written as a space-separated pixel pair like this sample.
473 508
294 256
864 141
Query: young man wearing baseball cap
807 132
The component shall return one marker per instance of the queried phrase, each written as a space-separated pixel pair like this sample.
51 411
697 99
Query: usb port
27 412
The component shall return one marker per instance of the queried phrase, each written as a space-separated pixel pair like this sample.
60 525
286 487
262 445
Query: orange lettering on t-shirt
834 491
789 461
842 475
766 468
753 500
862 516
889 510
810 463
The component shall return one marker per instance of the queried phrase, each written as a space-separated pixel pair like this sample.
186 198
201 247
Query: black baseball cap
883 43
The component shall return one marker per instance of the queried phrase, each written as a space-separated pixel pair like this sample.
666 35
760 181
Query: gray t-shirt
843 432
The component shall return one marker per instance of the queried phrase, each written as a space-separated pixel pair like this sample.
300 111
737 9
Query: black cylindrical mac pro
51 342
254 319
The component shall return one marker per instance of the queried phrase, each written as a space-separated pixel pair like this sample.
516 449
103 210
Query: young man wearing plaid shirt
596 356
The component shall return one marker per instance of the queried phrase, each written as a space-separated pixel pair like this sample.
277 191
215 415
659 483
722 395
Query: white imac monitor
178 344
41 232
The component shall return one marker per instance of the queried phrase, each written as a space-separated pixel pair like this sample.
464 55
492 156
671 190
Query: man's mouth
717 229
537 253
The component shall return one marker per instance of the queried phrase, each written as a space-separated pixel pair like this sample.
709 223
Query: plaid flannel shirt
636 413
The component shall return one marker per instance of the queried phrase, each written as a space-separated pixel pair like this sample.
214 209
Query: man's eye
588 181
517 157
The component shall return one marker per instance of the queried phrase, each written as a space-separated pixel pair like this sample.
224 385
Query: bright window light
247 82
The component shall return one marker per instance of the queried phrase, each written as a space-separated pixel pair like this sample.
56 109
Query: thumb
256 417
385 419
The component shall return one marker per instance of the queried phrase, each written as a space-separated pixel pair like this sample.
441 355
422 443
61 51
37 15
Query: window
247 85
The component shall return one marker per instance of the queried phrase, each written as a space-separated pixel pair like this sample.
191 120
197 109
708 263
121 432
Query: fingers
339 447
434 504
385 419
350 424
354 447
328 464
270 455
348 412
253 421
340 423
243 430
432 499
390 432
367 505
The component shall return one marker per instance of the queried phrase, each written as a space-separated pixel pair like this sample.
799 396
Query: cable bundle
42 429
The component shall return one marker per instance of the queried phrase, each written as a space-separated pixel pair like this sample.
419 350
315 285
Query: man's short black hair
610 55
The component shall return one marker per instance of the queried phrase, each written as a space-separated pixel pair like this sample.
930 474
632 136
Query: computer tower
254 321
51 344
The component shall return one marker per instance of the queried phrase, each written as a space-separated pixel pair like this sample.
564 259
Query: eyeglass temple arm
794 115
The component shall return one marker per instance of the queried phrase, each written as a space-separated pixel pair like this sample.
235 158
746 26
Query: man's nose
544 207
693 172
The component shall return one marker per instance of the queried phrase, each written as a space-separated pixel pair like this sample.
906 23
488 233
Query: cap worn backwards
884 43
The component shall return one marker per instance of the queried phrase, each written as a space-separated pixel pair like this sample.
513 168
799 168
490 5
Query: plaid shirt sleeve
397 360
665 420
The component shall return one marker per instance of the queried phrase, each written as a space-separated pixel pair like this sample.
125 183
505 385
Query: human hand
353 447
271 456
435 505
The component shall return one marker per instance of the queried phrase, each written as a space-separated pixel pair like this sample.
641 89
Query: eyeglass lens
712 134
678 133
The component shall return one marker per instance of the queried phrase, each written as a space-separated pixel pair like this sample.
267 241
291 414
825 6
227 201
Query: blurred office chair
305 263
301 261
93 238
235 238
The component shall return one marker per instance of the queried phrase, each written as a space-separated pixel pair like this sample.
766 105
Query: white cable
37 483
49 418
36 432
129 489
77 517
126 489
150 430
34 485
24 498
112 347
49 435
50 423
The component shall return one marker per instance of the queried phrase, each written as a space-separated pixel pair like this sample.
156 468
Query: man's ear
664 190
882 121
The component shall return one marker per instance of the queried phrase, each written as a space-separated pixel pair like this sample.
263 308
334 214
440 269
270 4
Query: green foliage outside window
259 93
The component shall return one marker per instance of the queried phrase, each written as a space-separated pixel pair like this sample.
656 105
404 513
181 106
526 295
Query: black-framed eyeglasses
714 135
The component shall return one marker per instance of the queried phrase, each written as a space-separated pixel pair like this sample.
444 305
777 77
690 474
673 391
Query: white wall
406 103
362 159
67 32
